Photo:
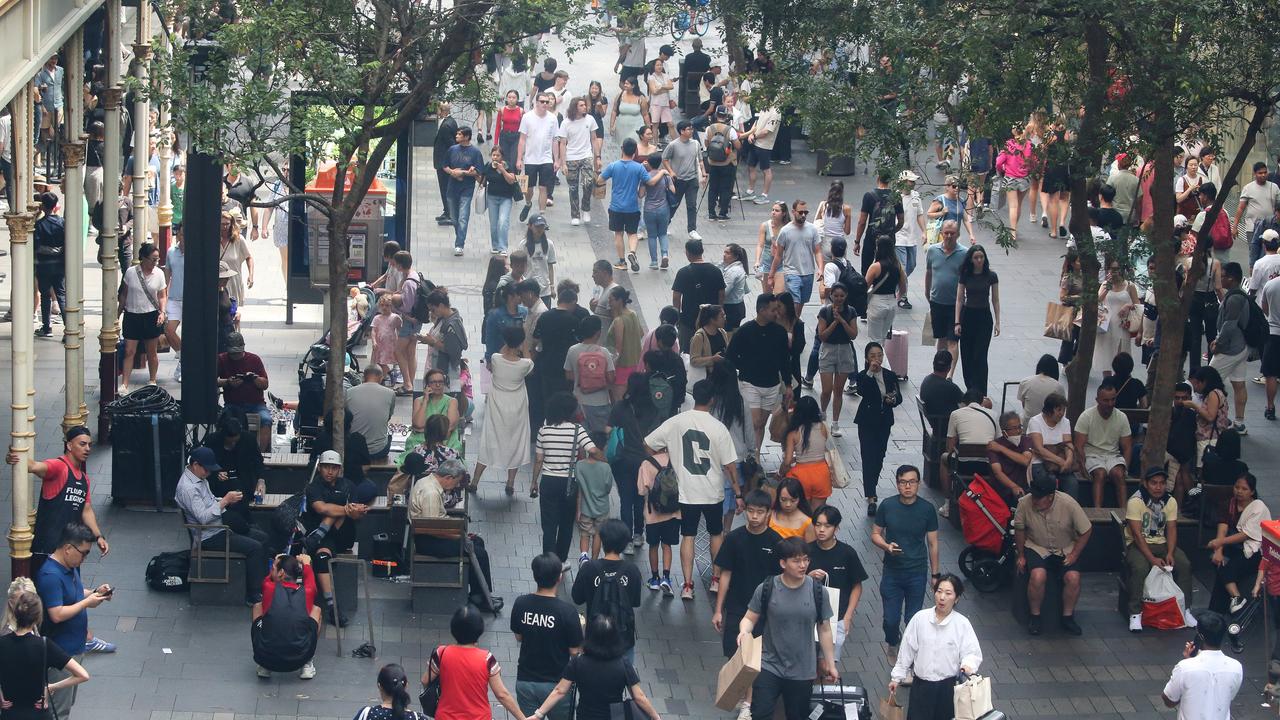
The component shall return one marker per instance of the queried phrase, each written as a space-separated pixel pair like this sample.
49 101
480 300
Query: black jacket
445 139
872 409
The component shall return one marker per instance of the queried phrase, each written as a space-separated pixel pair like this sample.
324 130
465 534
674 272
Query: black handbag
429 698
625 710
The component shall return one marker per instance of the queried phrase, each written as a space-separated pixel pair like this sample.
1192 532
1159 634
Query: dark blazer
871 409
445 139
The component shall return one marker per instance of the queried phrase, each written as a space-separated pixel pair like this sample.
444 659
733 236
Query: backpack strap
818 592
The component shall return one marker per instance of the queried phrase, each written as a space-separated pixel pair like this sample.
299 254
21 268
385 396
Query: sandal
510 490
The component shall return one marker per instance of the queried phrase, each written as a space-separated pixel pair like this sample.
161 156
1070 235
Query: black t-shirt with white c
547 627
843 568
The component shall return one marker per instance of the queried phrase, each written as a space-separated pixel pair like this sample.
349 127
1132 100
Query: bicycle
693 17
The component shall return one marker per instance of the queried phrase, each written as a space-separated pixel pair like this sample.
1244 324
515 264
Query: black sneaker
1269 413
871 508
1033 624
635 263
335 618
524 213
44 332
1070 625
1062 232
807 382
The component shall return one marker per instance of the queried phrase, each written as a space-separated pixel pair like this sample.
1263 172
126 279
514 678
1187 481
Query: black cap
1154 471
1043 486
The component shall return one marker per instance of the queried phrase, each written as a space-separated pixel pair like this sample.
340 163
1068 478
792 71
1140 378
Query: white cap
330 457
908 176
1270 235
1180 221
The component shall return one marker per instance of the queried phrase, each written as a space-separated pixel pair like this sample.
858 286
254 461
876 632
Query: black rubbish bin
148 447
836 166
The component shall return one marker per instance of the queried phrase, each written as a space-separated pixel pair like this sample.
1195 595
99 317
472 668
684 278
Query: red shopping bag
1162 615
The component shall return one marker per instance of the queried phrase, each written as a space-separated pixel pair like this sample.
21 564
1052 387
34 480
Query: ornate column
22 283
108 252
164 147
73 149
141 129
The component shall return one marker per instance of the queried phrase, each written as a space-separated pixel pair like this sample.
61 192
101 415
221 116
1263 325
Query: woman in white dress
1117 299
504 440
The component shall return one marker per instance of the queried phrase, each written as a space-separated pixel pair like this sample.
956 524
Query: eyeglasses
435 382
83 553
908 482
544 102
954 185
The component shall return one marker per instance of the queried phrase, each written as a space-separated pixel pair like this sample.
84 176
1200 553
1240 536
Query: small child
386 325
589 366
659 529
595 483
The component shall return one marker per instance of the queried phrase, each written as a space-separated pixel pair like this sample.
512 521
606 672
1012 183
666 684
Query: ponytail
393 683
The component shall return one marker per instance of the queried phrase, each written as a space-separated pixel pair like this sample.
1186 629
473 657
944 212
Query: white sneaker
1237 603
457 252
744 710
586 217
583 557
177 368
1188 619
308 671
263 672
575 222
1260 380
693 235
1135 623
944 511
835 430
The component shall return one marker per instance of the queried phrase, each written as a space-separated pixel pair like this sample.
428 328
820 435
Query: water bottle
260 492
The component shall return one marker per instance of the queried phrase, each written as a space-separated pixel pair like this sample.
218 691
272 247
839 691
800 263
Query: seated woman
791 514
1237 549
433 449
427 500
805 455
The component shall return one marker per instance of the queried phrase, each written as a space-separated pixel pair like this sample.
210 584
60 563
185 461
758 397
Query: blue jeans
499 223
901 592
907 256
459 204
655 225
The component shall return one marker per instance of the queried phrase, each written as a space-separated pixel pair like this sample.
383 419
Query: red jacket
308 584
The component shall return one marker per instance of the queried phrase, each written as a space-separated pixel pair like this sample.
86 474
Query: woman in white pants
886 282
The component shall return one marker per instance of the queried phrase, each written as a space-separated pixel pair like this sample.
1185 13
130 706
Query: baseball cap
1043 486
1155 471
1180 221
908 176
722 111
330 457
235 342
1271 238
538 221
205 458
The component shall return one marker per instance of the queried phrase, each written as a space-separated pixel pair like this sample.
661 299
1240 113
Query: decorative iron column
141 128
108 252
73 149
22 282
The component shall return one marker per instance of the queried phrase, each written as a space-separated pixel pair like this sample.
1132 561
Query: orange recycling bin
1271 540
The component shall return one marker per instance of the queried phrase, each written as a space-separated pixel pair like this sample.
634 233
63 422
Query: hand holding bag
481 200
891 710
972 698
1163 603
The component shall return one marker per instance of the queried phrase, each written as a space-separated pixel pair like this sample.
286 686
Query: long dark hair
530 242
603 639
739 253
707 313
393 682
806 415
887 254
638 395
497 268
727 404
966 269
795 490
1211 378
835 199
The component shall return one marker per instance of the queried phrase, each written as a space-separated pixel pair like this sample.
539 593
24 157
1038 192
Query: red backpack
593 367
1220 233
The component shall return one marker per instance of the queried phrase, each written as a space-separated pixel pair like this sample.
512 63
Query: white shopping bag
1163 604
973 698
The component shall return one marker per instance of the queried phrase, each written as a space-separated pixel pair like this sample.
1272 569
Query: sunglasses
544 102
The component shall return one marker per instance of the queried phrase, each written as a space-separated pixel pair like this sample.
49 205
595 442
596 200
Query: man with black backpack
721 142
1241 327
286 621
789 607
881 214
611 585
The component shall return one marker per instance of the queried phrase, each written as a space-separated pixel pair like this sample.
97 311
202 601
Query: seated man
286 621
371 405
333 505
973 423
1010 458
1050 433
243 379
427 500
200 507
1103 440
1151 540
1050 530
241 462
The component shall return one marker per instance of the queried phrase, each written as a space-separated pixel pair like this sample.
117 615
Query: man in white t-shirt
1205 682
1268 266
911 233
702 453
535 156
1258 202
1270 302
1051 447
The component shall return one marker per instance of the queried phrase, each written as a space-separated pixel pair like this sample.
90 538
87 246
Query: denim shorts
800 287
408 327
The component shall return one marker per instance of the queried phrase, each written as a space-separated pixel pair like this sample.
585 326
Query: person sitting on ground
1151 540
427 501
243 379
1050 531
611 586
1238 544
32 669
1102 442
199 506
286 621
1010 459
242 470
333 506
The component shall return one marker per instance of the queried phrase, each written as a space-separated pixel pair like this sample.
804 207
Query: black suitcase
839 701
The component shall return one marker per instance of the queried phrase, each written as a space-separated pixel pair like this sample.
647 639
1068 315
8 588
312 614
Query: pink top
385 328
1015 160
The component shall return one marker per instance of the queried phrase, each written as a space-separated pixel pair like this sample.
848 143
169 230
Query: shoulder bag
429 698
146 289
571 487
624 710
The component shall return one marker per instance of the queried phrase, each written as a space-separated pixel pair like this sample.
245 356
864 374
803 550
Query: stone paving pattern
180 663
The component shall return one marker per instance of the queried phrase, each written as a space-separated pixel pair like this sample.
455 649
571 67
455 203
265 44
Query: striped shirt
559 444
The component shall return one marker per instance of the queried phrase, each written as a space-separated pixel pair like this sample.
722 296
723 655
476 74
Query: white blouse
936 650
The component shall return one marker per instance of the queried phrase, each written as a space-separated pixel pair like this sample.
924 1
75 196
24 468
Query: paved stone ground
179 663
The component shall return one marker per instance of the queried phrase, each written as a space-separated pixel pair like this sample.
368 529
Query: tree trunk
1088 154
335 397
1167 364
733 38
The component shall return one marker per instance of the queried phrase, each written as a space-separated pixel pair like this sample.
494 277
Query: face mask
1015 439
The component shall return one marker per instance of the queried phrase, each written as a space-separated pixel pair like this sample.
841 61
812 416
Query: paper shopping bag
891 710
839 471
1058 319
972 698
738 673
926 334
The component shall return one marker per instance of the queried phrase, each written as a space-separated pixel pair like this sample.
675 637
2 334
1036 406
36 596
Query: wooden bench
438 584
377 522
216 577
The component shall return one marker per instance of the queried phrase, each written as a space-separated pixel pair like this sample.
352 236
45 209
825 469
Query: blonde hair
17 589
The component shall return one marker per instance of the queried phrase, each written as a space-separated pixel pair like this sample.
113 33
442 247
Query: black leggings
873 441
51 280
559 511
975 340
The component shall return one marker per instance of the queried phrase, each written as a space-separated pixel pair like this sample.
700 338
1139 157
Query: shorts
756 397
659 113
689 515
627 222
1231 367
141 326
800 287
729 637
1055 564
408 327
1021 184
666 533
1056 179
1103 462
836 358
173 311
262 411
758 157
543 174
943 319
590 526
1271 357
623 374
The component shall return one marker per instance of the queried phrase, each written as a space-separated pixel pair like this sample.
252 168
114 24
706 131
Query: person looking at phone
67 603
333 505
1205 682
906 529
243 379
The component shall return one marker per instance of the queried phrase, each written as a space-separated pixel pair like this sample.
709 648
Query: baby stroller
986 521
